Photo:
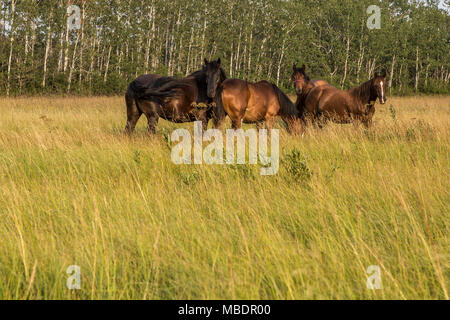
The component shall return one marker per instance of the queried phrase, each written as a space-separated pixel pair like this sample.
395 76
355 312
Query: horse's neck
302 97
308 88
362 93
199 87
195 77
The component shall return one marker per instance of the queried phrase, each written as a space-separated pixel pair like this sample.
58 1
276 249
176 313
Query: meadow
75 191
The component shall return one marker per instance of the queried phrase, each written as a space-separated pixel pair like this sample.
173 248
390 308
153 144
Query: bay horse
178 100
303 85
246 102
353 105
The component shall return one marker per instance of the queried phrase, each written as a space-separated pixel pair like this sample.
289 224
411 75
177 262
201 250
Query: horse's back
145 80
234 84
263 91
318 96
329 100
235 88
263 85
141 83
320 83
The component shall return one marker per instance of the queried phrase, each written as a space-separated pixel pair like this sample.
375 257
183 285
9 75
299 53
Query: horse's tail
218 112
132 94
133 109
288 108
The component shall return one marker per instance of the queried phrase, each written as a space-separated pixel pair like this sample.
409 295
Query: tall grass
75 191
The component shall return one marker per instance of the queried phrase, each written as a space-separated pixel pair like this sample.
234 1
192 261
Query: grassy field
75 191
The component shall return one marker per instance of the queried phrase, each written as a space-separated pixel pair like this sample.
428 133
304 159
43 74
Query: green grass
75 191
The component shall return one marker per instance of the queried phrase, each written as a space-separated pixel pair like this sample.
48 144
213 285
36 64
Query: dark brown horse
303 85
179 100
249 102
354 105
139 85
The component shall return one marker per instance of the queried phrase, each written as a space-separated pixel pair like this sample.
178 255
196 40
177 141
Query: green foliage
297 166
188 177
256 39
392 111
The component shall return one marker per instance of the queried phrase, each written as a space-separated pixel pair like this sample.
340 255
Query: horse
303 85
246 102
354 105
179 100
134 88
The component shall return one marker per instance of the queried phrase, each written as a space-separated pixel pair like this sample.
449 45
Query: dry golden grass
75 191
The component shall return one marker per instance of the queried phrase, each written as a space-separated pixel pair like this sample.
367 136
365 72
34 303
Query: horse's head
299 79
214 76
379 87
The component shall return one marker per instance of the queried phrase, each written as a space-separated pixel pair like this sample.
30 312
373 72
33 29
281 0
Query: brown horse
354 105
249 102
179 100
303 85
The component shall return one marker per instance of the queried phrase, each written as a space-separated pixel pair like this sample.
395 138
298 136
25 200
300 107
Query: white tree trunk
13 12
47 47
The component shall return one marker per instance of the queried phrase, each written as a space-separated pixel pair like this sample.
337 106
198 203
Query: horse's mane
171 87
146 81
197 74
288 108
223 75
202 72
363 91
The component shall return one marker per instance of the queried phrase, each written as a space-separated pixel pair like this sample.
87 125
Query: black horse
183 100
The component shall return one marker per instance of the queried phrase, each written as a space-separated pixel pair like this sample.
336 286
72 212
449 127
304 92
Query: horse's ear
303 67
294 66
206 61
218 61
375 75
384 74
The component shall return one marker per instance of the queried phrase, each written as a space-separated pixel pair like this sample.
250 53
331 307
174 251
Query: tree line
117 40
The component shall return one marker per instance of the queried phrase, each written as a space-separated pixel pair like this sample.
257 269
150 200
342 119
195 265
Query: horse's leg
319 120
293 125
203 117
150 110
236 112
368 118
218 117
357 119
307 120
133 114
368 123
236 123
270 121
152 120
